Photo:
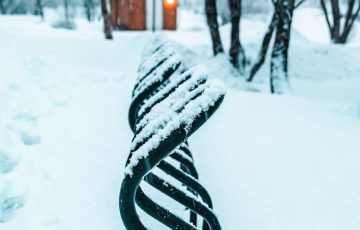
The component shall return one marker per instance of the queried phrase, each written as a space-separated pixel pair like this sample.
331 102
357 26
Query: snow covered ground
269 162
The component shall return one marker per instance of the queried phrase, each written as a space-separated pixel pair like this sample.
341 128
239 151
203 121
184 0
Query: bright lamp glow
170 3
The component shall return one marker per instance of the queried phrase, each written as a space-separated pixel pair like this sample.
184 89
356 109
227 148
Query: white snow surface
268 162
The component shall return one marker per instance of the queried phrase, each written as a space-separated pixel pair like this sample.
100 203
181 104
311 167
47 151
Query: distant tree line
36 7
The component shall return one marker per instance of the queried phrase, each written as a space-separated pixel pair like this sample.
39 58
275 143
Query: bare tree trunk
89 9
323 7
39 9
349 13
281 21
237 53
264 47
288 22
2 8
337 34
211 15
336 20
66 10
279 55
349 24
107 20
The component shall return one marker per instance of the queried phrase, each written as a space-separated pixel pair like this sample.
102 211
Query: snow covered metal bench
169 104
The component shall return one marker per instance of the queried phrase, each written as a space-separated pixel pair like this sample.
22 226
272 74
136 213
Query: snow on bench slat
158 76
182 93
153 61
175 101
196 73
183 154
155 44
193 109
167 48
169 120
161 117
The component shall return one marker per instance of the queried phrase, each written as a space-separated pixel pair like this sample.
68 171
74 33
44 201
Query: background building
144 14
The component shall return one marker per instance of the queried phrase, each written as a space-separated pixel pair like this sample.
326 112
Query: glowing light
170 3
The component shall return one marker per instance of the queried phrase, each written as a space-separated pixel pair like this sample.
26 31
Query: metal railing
169 104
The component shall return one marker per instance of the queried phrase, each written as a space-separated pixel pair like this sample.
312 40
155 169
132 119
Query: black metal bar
160 213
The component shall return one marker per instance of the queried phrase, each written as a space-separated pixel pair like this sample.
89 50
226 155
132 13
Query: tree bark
237 53
290 13
39 9
323 7
107 20
349 25
337 34
336 20
279 55
349 13
264 47
89 9
66 10
211 16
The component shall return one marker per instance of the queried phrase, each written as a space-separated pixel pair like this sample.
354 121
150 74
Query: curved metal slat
146 95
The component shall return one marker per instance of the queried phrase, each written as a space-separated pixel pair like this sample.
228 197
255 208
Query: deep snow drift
269 162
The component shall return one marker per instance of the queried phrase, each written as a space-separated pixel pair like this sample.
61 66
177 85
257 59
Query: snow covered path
269 162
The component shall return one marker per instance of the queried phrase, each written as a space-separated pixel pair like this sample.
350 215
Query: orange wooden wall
130 14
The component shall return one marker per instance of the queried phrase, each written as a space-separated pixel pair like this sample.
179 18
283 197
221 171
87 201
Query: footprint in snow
29 138
27 117
9 206
59 98
34 66
6 163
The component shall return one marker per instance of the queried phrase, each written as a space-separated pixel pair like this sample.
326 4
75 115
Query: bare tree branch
264 47
349 13
323 6
211 16
347 30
